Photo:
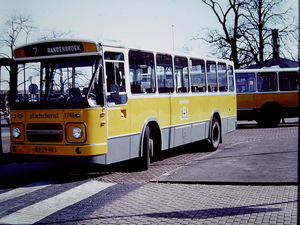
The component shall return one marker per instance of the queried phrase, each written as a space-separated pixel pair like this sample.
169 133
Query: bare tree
259 18
247 27
15 26
226 41
53 34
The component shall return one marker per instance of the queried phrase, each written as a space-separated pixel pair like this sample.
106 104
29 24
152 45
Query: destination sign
53 48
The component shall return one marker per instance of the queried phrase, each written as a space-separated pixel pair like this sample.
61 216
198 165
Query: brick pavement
157 203
200 204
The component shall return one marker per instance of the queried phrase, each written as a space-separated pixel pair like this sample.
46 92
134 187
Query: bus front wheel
146 150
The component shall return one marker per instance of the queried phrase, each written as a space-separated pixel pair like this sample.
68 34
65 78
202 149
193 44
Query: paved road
262 161
91 197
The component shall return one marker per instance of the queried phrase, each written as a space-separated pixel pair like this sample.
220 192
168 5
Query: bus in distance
267 95
89 102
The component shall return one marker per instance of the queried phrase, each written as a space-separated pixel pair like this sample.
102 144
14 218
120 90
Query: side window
288 81
211 70
164 73
222 76
197 73
267 81
115 78
115 75
142 76
181 74
231 78
245 82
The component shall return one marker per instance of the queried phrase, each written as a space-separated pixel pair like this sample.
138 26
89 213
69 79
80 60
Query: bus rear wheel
215 137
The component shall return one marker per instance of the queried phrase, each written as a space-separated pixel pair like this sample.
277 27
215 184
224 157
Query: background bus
83 101
267 95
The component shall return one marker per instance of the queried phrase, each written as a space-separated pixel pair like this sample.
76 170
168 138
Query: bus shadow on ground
132 165
195 214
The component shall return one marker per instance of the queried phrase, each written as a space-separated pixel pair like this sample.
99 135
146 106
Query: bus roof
81 47
267 69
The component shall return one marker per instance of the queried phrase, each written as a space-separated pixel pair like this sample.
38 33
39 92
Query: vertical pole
1 150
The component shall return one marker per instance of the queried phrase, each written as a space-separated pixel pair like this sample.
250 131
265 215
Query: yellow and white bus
89 102
267 95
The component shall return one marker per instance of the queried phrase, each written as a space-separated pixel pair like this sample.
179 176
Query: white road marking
40 210
24 190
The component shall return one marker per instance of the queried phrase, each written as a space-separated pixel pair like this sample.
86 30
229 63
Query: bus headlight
77 132
15 132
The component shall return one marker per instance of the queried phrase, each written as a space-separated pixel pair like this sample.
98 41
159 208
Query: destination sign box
53 48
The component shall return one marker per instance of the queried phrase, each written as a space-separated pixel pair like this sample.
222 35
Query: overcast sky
146 23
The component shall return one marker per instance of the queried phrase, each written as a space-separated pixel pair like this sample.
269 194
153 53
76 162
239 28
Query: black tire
146 148
270 116
215 135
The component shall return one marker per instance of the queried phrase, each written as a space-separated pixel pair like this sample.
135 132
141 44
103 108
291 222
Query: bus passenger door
118 122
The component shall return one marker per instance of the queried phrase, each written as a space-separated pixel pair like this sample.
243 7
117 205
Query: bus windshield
61 82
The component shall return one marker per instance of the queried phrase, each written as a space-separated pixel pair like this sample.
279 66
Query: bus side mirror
115 91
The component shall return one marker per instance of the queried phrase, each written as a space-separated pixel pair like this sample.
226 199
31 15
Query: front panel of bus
58 107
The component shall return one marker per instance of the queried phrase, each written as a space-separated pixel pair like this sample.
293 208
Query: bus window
181 74
245 82
142 77
230 78
211 76
30 71
198 81
61 80
115 78
267 81
115 75
119 56
222 75
164 73
289 81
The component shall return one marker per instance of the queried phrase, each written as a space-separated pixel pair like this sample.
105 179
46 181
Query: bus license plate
44 149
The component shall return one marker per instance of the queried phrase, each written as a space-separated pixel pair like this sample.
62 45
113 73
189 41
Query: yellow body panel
118 121
179 110
93 142
256 100
288 99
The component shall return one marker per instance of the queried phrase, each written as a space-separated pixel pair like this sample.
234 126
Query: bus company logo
44 116
184 113
20 115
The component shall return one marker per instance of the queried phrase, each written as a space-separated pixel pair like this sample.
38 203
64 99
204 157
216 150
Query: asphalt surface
262 161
